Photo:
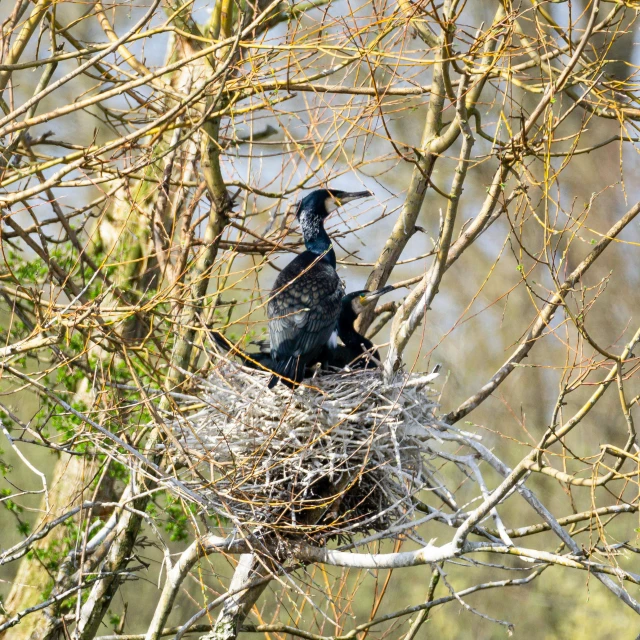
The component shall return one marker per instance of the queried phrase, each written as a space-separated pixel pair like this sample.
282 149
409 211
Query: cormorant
356 350
305 302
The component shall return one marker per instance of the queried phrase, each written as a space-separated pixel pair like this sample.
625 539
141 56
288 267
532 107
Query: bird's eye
363 298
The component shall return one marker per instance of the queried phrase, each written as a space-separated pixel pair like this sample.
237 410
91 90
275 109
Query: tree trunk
36 572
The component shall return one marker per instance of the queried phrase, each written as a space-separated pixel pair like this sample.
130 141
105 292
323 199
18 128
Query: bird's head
322 202
358 301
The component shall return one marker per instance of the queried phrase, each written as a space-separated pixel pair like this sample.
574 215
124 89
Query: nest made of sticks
344 454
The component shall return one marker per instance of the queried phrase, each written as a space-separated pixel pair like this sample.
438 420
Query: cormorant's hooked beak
367 298
338 198
360 302
348 196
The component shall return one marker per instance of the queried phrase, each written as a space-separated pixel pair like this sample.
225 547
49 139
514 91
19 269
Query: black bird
357 351
305 302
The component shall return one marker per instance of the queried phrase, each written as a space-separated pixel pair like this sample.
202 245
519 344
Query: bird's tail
289 371
258 360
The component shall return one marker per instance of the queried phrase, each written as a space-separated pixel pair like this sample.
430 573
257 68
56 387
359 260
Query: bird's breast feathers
304 307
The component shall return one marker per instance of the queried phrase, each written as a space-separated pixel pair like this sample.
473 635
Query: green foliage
4 467
118 471
27 271
177 517
69 378
24 528
65 423
9 505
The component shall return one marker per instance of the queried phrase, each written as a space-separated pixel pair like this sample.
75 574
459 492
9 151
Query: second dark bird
356 350
305 302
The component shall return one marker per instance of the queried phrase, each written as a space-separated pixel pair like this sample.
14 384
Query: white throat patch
331 204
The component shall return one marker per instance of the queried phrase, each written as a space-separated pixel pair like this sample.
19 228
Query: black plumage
357 351
305 303
260 359
303 314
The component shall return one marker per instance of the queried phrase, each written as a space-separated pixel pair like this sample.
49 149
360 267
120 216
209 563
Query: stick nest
345 454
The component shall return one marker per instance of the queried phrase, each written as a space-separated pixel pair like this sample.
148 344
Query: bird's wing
263 345
303 311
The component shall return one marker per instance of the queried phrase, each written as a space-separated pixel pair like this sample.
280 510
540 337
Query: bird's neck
349 336
316 238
